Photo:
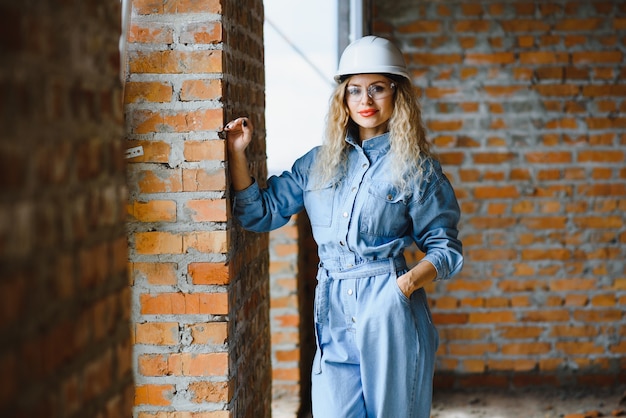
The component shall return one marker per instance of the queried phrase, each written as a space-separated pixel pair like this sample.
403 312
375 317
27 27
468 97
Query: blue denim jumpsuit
375 347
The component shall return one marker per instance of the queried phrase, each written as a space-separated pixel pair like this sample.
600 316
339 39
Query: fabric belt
369 268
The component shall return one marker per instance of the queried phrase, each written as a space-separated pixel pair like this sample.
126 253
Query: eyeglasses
375 91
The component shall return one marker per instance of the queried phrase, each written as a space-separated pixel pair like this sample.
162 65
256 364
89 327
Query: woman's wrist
416 278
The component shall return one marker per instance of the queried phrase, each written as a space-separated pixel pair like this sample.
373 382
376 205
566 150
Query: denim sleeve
263 210
436 216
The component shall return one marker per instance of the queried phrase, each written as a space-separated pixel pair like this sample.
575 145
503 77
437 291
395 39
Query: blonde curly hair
407 136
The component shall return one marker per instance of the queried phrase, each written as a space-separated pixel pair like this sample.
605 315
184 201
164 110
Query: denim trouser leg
376 351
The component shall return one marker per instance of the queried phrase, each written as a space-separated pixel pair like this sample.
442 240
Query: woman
370 191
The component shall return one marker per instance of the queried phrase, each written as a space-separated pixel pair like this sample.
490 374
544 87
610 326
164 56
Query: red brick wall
293 262
524 101
64 296
284 311
200 287
249 252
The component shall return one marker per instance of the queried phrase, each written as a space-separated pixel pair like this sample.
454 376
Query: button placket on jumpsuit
376 348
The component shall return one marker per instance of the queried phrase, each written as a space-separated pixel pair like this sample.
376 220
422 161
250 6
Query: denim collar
372 147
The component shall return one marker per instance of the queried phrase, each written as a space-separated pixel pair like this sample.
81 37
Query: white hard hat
371 55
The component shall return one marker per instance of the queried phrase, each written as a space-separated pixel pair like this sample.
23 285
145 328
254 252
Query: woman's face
370 99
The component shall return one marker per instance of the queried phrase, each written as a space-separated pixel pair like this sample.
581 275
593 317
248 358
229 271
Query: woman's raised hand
238 134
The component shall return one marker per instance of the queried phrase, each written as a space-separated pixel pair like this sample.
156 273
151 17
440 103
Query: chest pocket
385 211
318 202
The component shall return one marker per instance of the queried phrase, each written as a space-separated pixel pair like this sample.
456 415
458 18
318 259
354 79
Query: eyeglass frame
349 98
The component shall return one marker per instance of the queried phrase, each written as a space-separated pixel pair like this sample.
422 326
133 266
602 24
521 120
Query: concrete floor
536 403
285 408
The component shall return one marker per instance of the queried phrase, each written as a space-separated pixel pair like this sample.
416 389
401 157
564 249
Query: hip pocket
420 296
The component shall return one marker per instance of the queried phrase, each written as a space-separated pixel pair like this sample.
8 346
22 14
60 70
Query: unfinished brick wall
524 101
293 268
64 299
284 310
200 283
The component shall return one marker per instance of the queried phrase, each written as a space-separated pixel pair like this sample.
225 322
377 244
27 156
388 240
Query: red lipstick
366 113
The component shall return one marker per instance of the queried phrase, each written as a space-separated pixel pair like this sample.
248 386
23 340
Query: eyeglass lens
374 91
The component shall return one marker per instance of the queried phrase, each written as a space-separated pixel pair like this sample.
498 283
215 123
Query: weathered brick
214 333
603 91
490 192
604 300
147 121
176 62
157 242
200 180
149 7
520 332
492 223
193 6
154 395
559 90
207 210
155 273
209 273
525 25
601 156
154 211
464 333
496 58
290 374
578 24
160 181
206 241
472 349
491 317
606 315
472 26
429 59
183 364
450 318
207 89
157 333
559 222
147 91
492 254
150 34
207 391
422 26
289 302
493 157
595 57
184 304
550 157
447 125
440 92
579 348
546 316
205 150
153 151
543 58
532 349
608 222
207 33
518 365
602 189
